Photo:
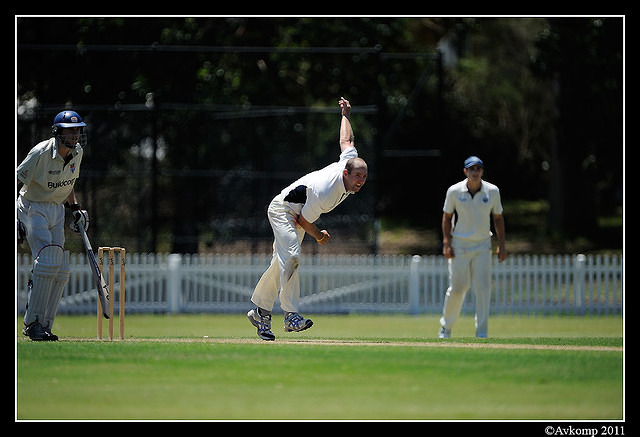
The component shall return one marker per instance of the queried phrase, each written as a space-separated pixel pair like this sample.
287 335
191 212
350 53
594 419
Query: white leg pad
59 284
45 271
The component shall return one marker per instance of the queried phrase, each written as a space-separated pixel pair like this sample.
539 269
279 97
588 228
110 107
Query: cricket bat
103 291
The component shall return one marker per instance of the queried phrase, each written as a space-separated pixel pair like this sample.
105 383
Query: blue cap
473 160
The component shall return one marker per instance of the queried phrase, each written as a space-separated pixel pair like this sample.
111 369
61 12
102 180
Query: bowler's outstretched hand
345 106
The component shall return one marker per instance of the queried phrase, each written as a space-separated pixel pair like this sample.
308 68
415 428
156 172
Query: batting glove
80 218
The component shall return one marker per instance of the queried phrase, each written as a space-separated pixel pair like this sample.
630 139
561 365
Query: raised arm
346 133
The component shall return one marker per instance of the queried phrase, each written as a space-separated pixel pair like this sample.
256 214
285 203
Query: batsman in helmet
46 178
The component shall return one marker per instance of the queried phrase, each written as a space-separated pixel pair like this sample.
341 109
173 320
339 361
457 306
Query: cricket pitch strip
381 343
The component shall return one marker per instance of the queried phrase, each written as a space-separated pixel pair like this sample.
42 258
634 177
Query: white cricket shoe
444 333
294 322
263 323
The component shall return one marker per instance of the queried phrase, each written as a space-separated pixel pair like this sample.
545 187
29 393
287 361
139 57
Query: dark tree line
194 124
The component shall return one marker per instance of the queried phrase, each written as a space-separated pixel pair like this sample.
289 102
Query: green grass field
348 367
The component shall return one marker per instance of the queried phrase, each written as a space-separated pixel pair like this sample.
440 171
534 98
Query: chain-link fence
162 176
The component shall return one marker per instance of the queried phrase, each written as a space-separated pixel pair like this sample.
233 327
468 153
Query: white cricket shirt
473 221
45 175
320 191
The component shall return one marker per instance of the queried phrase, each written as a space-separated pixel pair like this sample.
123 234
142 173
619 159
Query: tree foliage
195 123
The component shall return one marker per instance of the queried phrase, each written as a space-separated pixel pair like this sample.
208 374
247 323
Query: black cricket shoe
35 332
50 335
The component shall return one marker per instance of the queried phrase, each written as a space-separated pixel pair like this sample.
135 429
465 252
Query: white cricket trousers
471 266
281 278
44 223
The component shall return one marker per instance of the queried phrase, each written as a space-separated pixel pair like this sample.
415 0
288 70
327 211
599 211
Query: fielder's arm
498 223
447 250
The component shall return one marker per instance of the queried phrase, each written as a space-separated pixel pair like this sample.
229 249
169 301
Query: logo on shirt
55 185
72 167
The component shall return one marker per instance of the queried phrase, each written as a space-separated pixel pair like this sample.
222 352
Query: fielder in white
292 213
467 245
47 175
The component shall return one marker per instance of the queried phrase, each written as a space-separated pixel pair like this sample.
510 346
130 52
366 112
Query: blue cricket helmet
67 119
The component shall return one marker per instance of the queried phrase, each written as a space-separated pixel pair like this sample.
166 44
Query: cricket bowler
292 213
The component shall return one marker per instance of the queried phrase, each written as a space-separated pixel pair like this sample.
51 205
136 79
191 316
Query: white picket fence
172 283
